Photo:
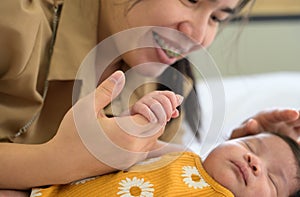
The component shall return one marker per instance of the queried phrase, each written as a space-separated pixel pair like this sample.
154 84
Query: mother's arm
65 158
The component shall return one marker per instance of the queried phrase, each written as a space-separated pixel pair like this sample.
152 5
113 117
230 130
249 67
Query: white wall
261 47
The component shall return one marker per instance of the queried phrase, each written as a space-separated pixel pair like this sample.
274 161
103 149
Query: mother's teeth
169 50
171 53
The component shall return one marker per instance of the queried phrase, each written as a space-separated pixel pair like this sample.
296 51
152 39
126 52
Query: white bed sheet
244 97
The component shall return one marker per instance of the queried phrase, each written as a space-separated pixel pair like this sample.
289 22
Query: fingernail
179 98
175 113
293 114
116 77
250 120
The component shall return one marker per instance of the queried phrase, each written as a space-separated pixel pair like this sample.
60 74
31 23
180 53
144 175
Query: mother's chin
151 69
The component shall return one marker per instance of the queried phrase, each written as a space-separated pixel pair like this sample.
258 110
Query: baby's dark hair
295 147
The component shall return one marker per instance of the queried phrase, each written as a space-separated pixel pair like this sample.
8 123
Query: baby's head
260 165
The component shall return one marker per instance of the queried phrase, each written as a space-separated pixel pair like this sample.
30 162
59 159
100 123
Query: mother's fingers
108 90
279 115
294 123
250 127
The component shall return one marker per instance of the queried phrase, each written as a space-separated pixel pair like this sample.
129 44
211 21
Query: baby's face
260 165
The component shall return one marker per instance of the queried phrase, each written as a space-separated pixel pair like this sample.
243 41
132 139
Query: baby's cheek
227 179
259 188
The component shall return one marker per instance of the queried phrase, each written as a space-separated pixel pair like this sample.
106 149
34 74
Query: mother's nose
194 29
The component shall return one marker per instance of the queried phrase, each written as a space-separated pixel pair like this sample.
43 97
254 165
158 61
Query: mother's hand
284 121
90 143
66 157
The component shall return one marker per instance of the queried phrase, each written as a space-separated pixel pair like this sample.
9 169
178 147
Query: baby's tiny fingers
145 111
159 112
175 113
179 99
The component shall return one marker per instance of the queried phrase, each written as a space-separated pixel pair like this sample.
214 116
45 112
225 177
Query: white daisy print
135 188
193 178
83 181
35 193
149 161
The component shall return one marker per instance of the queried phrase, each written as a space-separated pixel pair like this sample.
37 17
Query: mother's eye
190 3
219 19
216 19
193 1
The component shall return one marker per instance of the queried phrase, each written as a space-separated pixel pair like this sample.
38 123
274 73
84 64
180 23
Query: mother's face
198 20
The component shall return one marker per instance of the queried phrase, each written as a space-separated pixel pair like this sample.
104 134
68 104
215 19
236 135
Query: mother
42 45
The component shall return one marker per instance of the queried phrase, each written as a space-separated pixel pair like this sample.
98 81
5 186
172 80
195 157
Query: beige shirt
25 35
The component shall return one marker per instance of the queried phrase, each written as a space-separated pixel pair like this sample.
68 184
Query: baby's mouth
167 46
243 172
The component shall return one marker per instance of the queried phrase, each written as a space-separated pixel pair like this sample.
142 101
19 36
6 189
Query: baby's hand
158 106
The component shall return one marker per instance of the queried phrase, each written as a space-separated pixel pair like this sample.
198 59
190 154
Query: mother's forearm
20 165
25 166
